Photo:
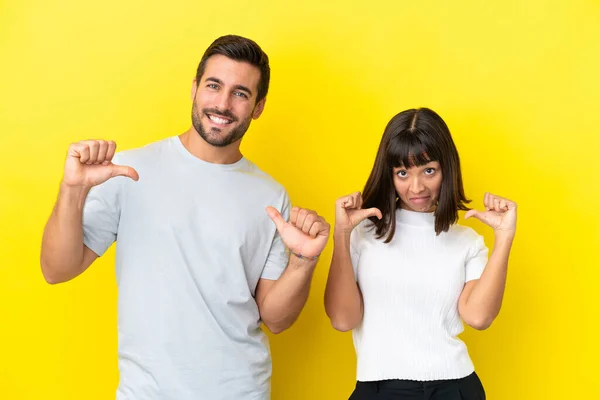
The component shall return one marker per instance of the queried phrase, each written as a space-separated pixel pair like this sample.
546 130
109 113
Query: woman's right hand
348 213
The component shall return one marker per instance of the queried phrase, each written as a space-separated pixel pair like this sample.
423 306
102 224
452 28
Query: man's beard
213 136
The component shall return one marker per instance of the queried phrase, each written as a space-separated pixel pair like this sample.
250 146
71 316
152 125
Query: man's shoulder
262 177
140 154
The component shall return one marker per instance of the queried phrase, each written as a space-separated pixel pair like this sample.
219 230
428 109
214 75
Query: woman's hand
500 214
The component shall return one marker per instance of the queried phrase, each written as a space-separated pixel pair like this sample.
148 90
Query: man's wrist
305 258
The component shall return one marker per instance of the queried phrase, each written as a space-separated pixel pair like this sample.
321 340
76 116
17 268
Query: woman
404 276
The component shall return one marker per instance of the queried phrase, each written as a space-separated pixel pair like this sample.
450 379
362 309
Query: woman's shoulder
464 233
363 230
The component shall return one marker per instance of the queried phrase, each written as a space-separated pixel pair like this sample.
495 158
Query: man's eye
240 94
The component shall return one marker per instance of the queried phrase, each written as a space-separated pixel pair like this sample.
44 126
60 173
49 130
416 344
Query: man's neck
199 148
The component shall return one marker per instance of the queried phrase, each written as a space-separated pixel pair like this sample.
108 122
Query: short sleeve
476 259
278 257
101 214
356 239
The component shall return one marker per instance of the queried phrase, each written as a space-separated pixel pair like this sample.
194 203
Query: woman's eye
401 174
429 171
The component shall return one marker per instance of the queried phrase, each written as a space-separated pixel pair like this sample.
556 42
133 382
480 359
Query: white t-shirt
410 290
193 239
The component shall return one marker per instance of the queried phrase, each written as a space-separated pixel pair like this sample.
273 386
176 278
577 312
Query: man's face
224 101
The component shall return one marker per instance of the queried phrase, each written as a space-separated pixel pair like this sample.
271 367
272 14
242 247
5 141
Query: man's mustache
226 114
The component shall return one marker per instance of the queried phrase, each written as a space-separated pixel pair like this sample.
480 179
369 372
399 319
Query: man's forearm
286 298
62 242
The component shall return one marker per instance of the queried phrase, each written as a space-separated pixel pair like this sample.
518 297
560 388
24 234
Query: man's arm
88 164
280 302
64 256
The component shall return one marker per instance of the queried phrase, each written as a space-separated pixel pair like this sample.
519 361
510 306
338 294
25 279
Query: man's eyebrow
216 80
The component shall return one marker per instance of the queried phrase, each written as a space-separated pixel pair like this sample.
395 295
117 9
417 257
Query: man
199 263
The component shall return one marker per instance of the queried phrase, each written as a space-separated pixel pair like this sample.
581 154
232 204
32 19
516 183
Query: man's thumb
276 218
122 170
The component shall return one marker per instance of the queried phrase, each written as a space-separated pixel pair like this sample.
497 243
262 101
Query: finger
102 150
350 202
361 215
341 202
497 204
317 227
356 201
80 151
474 213
324 228
93 146
347 202
359 200
487 201
294 215
110 152
503 200
497 197
310 219
503 205
373 212
302 213
276 218
122 170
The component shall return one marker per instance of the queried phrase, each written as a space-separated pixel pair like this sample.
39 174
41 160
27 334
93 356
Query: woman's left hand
500 214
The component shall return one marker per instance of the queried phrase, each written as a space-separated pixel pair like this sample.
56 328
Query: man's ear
194 88
259 108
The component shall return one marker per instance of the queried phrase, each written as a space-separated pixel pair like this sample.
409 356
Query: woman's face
418 187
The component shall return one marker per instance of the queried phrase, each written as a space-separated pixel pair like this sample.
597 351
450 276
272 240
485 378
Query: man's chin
217 140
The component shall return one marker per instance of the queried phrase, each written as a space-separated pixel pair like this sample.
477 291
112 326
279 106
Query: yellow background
518 83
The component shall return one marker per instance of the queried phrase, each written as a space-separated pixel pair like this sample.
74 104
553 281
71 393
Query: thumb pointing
371 212
276 218
474 213
122 170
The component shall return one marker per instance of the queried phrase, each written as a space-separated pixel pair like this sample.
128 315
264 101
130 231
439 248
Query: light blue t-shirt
193 240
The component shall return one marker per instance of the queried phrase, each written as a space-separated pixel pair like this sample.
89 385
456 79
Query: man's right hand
89 163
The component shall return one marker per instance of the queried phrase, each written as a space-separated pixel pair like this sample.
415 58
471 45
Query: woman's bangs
409 150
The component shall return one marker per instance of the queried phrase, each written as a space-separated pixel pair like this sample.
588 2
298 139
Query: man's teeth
218 120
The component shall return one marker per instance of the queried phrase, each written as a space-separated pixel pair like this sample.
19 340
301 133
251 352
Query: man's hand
305 234
89 163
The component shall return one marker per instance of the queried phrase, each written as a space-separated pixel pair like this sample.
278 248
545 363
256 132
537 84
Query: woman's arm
481 299
343 300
